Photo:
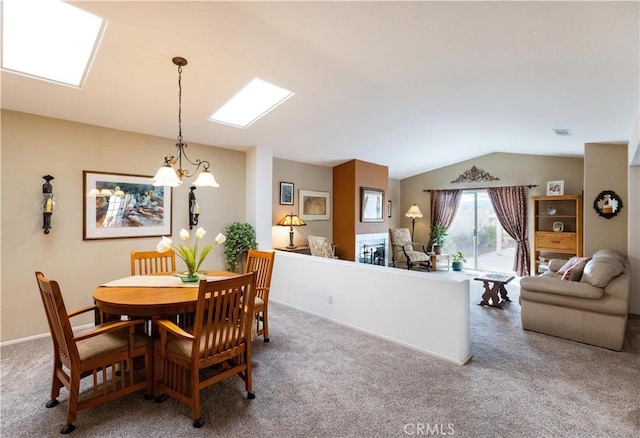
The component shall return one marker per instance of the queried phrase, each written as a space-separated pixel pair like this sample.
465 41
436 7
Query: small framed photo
389 208
286 193
555 188
314 205
558 227
372 205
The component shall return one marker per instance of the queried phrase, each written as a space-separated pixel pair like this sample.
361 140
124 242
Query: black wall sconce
48 203
194 209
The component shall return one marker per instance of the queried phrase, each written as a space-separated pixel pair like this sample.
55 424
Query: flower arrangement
190 253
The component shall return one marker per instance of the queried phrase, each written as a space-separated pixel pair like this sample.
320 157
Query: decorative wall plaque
474 175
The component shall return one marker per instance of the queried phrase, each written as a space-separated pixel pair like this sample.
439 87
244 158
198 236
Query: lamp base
291 245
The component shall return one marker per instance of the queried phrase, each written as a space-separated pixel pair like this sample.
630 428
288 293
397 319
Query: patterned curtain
510 204
444 205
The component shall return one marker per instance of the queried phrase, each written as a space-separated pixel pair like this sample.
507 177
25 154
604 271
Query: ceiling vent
562 132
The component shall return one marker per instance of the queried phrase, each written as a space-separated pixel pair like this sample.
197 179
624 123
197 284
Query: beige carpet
319 379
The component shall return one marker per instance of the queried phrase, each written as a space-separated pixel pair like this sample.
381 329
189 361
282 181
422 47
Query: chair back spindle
151 262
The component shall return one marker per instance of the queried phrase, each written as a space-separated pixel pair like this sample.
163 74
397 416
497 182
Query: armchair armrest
104 328
82 310
556 264
165 326
423 246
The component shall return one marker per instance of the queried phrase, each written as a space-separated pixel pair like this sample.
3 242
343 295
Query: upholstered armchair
321 247
405 251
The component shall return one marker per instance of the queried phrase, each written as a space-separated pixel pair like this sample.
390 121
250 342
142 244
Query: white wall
259 194
424 310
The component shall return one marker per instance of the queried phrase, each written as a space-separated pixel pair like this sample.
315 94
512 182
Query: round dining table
150 297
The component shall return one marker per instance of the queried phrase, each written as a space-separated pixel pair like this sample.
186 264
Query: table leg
490 293
503 293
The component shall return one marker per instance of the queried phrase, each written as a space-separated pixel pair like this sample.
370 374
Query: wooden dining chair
105 353
151 262
261 262
220 341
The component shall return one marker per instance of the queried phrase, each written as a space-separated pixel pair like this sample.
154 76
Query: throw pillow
599 272
575 271
572 261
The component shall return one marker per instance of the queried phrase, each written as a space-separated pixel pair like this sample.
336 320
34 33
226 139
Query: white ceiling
412 85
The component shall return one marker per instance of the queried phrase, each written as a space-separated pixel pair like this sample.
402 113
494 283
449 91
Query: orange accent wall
348 179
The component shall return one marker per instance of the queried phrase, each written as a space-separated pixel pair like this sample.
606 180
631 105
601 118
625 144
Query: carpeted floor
319 379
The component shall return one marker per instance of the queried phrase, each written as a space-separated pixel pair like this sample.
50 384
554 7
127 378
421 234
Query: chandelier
168 175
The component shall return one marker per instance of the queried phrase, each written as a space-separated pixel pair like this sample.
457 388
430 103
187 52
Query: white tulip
220 238
164 245
200 232
184 234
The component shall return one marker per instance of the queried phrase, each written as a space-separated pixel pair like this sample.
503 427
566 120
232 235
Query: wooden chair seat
108 343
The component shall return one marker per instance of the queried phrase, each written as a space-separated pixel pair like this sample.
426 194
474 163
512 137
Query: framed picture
389 208
314 206
119 205
555 187
372 205
558 227
286 193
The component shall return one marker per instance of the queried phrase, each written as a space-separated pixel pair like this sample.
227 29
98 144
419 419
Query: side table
435 258
491 291
297 249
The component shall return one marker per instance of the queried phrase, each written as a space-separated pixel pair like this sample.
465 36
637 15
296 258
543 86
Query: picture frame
121 205
314 205
389 208
286 193
558 227
372 201
555 188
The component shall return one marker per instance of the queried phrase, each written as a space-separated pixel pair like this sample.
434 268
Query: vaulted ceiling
411 85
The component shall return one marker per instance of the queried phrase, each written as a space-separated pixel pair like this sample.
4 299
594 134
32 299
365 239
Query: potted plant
240 238
458 261
438 233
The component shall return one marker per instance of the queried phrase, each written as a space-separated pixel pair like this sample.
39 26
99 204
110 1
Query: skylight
255 100
49 40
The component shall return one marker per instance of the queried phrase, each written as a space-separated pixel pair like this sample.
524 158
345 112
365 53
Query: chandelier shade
168 174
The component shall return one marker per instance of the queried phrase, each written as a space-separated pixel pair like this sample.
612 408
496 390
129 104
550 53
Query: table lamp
291 220
413 213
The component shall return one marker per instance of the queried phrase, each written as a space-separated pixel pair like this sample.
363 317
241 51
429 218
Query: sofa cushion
572 269
600 270
610 253
553 286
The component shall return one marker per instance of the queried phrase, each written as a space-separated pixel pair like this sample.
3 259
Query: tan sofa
590 305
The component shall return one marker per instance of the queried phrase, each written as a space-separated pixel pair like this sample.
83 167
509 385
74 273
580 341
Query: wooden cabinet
557 229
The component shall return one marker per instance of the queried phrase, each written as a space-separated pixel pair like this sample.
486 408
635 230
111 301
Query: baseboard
42 335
